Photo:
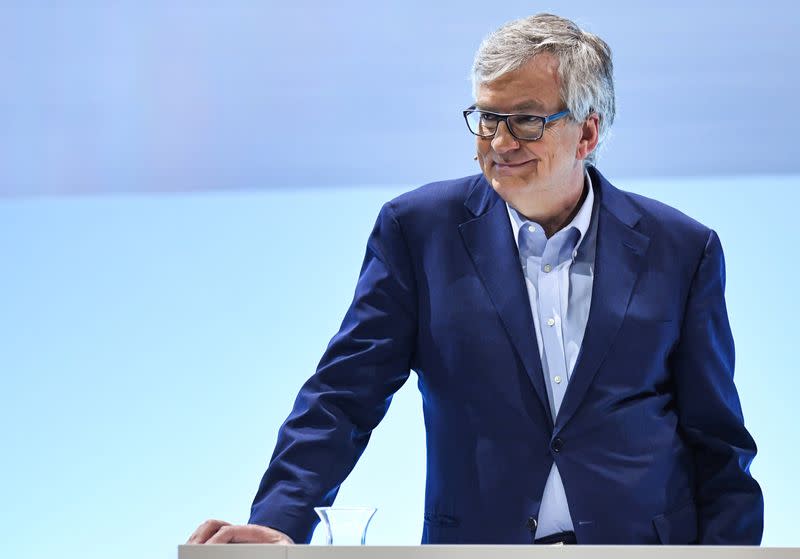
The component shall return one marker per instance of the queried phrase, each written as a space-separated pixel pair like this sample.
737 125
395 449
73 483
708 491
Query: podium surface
261 551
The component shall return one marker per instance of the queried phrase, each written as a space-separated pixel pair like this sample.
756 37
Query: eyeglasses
523 127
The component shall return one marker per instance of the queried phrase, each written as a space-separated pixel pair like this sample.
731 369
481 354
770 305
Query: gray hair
585 69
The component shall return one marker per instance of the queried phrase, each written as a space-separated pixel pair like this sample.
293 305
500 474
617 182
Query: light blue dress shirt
559 273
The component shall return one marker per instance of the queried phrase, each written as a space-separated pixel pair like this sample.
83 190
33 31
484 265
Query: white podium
253 551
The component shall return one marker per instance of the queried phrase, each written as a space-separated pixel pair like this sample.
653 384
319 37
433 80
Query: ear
590 134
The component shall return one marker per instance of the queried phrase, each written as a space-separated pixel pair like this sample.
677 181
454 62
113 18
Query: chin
509 190
512 183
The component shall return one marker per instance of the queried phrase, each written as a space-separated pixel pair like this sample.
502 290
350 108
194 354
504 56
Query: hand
217 531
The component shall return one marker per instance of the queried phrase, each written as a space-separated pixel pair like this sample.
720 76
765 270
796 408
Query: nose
503 141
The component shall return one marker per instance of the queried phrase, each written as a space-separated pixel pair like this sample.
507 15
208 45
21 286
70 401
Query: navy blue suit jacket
649 440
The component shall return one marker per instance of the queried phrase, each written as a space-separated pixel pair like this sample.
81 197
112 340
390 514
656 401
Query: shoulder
678 243
662 216
655 219
440 200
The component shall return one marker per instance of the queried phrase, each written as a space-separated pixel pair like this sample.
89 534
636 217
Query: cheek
481 150
554 153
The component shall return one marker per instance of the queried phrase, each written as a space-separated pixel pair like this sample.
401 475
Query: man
571 340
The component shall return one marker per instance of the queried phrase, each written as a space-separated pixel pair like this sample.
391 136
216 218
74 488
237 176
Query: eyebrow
523 106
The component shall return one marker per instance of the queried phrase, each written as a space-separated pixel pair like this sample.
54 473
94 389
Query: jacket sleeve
729 501
366 362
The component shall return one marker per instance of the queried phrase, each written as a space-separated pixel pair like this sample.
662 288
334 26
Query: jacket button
532 523
557 444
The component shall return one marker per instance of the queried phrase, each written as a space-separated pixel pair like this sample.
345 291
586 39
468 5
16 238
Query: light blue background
152 341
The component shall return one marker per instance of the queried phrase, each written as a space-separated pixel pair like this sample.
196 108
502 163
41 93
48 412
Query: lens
482 124
527 127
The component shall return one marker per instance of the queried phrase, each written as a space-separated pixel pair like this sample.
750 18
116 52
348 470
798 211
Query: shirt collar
581 221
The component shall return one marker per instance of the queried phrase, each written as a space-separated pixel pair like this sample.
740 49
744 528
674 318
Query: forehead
532 86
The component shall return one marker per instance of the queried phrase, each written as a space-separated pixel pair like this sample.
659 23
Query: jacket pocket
441 520
678 527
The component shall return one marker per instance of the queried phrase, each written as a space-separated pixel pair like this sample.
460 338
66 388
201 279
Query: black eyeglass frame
503 117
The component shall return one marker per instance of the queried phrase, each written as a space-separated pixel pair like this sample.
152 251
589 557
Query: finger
226 534
206 530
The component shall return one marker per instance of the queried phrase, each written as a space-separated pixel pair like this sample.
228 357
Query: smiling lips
510 167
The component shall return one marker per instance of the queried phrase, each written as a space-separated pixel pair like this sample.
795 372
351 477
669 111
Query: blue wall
187 95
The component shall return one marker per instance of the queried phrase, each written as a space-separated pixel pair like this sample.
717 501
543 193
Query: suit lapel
490 243
618 260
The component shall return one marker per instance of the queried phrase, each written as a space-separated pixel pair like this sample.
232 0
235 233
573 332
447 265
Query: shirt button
557 379
547 267
551 321
531 228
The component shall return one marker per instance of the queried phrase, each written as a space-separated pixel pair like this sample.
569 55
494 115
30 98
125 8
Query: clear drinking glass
345 525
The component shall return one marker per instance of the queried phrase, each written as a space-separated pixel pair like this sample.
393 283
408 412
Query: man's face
531 174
